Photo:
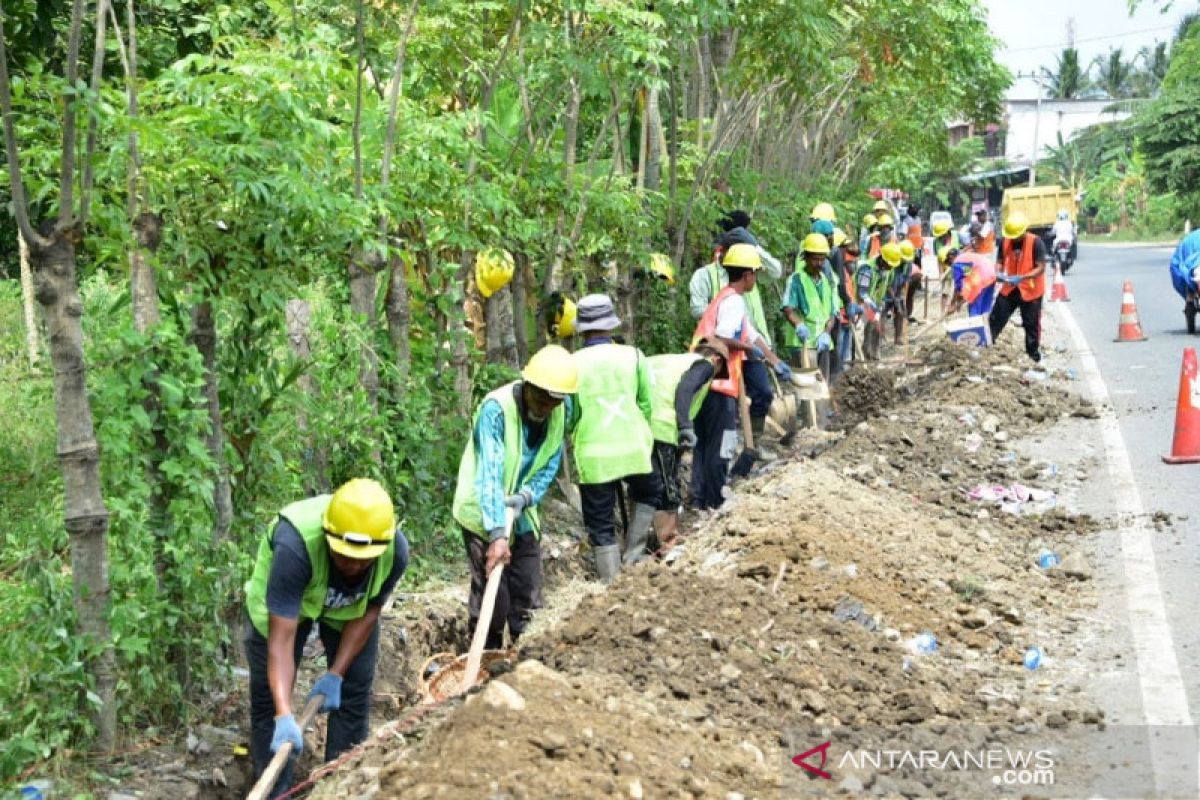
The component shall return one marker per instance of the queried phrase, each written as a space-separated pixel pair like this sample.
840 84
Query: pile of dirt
801 603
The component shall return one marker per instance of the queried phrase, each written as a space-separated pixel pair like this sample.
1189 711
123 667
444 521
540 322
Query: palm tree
1149 78
1067 163
1114 74
1184 28
1068 80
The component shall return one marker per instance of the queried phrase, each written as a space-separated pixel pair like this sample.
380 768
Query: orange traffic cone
1129 329
1059 293
1185 449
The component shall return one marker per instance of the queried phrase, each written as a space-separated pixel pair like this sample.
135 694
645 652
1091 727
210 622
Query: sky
1033 32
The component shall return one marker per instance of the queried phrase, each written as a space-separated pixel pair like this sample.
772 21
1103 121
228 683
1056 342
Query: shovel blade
809 385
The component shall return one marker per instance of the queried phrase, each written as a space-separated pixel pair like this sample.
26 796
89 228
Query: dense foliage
350 338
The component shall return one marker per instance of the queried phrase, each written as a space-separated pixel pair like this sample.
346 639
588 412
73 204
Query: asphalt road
1142 379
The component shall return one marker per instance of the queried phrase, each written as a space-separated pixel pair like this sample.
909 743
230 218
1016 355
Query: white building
1031 125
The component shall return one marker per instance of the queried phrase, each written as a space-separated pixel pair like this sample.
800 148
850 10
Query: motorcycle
1063 257
1190 306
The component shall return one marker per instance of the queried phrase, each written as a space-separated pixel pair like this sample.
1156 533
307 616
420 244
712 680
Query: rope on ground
393 728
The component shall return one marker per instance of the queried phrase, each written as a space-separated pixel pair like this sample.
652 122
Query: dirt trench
795 608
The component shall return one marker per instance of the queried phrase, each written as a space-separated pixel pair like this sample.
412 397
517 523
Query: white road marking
1164 699
1123 391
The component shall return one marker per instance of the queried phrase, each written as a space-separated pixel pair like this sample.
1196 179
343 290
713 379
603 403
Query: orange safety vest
1032 288
707 329
987 245
876 245
916 236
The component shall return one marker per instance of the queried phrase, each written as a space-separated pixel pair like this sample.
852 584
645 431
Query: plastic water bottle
1048 559
1033 657
923 643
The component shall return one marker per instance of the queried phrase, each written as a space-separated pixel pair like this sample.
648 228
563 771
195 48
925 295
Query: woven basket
447 681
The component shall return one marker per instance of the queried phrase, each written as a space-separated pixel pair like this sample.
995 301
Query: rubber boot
608 561
639 533
758 426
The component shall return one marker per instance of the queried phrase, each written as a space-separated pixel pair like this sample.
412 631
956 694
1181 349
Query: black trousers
348 726
758 387
1031 320
600 500
715 441
520 589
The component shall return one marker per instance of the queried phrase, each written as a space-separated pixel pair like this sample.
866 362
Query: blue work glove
802 332
329 685
756 353
824 343
783 371
687 438
520 501
286 730
855 311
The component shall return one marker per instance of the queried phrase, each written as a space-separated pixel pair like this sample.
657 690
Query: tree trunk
501 341
86 518
654 142
143 282
316 471
204 337
520 306
32 340
362 304
399 319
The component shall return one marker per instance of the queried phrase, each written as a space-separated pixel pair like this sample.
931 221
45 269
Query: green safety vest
880 279
821 301
466 497
612 436
666 372
754 306
306 517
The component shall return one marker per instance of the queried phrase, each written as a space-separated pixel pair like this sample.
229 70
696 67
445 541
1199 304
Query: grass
1129 236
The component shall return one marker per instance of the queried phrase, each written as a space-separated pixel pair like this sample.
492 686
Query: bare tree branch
89 170
66 199
356 131
20 205
394 89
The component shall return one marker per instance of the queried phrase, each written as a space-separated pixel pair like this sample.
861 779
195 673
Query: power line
1058 45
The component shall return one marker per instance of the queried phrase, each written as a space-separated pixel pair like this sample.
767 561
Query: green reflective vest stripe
821 300
612 436
306 517
667 371
466 497
754 305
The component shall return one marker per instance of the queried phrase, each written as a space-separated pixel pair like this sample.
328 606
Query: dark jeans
348 726
520 589
599 501
1031 320
715 425
665 463
758 387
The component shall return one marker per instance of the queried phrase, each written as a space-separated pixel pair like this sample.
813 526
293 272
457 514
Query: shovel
783 412
486 607
810 403
745 460
266 781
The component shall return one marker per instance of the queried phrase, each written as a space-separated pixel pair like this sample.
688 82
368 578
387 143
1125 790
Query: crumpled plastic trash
973 442
1015 498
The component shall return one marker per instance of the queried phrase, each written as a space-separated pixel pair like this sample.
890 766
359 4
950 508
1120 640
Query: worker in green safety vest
610 435
331 560
681 382
811 303
509 461
710 279
879 278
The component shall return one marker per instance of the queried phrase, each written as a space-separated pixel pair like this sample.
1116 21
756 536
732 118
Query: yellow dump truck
1040 205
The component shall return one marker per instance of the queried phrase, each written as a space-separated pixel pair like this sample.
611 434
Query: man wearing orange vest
884 234
1022 282
987 233
727 319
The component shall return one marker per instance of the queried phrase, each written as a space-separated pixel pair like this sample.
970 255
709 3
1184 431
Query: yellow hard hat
882 205
839 237
359 521
884 219
823 211
891 254
941 227
869 221
907 250
554 369
816 243
1015 226
742 255
564 319
493 270
660 264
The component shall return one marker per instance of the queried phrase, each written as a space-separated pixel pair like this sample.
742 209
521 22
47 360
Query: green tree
1114 74
1068 80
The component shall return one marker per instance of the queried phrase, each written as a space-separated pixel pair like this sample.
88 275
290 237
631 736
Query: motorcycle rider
1064 231
1185 275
